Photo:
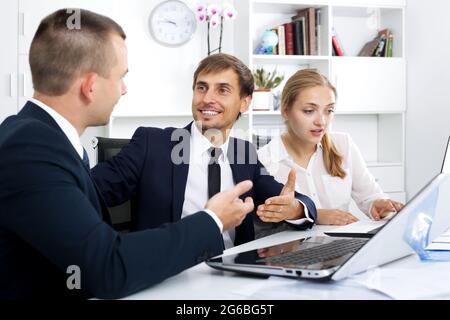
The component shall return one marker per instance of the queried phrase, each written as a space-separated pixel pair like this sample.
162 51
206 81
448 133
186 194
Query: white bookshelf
371 101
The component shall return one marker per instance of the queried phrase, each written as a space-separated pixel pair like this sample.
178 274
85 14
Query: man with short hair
168 173
55 241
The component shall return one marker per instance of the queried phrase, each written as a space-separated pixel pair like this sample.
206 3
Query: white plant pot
262 100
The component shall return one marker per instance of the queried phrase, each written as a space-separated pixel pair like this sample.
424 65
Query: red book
289 38
336 46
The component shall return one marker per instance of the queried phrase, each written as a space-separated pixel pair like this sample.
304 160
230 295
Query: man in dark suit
167 173
55 241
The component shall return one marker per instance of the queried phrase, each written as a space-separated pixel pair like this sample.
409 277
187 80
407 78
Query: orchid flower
214 21
213 10
229 12
214 15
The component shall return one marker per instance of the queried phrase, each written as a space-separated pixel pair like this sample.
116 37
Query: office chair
107 148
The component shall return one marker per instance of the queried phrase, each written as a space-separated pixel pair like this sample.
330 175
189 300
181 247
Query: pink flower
213 10
229 12
200 8
201 17
215 21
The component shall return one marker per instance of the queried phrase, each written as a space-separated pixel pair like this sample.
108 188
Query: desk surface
206 283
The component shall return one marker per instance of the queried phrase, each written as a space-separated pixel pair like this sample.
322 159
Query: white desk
203 282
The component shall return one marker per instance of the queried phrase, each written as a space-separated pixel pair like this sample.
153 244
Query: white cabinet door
31 12
390 178
369 84
25 88
8 59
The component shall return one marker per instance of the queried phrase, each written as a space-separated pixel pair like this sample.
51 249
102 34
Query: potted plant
265 81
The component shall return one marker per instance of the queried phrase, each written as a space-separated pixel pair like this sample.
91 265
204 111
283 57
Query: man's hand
382 207
334 217
284 206
229 208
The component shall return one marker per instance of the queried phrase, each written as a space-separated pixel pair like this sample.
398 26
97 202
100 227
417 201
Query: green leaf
267 80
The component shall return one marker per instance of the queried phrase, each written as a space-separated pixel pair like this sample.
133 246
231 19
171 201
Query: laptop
328 257
344 231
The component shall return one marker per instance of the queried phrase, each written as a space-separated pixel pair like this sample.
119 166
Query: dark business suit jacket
51 217
152 171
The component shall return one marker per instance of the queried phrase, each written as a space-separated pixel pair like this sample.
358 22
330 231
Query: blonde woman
329 166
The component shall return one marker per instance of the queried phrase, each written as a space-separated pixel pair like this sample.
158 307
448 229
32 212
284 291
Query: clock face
172 23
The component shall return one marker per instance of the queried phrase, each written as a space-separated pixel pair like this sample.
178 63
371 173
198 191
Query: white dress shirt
326 191
68 129
196 194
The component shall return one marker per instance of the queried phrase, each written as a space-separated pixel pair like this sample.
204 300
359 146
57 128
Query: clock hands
168 21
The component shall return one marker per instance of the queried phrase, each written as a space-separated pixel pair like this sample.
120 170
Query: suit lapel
240 169
238 164
180 172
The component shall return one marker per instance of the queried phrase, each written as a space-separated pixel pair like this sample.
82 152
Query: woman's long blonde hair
305 79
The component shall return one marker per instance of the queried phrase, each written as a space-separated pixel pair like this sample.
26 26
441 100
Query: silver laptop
325 257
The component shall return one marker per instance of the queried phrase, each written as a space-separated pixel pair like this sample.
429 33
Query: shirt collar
200 144
68 129
278 151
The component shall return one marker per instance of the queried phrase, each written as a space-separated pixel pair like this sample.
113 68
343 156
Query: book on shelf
299 36
379 52
309 15
289 37
382 42
318 31
275 48
281 41
369 48
390 44
337 45
380 46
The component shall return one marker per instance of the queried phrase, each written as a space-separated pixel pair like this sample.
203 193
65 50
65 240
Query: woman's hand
334 217
382 207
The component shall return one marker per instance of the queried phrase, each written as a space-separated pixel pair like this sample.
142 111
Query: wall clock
172 23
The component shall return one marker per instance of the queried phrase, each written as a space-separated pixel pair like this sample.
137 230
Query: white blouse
326 191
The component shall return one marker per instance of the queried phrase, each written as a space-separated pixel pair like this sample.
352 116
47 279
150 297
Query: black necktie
86 159
214 171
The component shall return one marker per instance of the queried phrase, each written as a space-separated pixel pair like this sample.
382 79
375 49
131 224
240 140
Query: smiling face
310 115
216 101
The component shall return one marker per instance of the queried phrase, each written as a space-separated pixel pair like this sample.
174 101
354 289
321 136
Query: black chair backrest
106 149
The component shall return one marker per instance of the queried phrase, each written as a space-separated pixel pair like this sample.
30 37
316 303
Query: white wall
160 78
428 76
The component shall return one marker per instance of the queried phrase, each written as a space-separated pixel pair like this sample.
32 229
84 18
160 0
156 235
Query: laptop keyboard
321 253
